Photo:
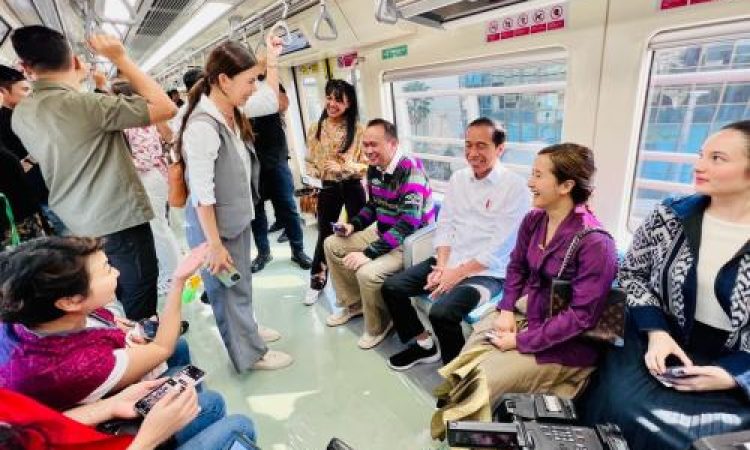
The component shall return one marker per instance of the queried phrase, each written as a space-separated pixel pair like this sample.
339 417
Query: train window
433 107
693 90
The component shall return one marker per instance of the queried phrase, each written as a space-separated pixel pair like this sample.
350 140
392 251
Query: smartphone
148 328
676 372
229 277
338 228
179 381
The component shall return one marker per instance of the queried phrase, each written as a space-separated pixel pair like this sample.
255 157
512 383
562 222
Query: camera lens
236 277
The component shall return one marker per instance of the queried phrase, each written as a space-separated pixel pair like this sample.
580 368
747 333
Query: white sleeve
121 364
446 222
201 147
263 102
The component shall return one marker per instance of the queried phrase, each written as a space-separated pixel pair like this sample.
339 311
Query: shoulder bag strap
574 246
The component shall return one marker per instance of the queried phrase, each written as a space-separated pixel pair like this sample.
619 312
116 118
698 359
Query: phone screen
179 381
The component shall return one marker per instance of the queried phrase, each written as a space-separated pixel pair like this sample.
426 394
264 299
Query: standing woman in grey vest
222 169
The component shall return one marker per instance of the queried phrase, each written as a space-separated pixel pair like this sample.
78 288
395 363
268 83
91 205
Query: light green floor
332 389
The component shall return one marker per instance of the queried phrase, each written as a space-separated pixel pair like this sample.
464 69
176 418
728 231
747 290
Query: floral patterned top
145 146
352 162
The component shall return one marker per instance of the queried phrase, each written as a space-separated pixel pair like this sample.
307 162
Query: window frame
664 40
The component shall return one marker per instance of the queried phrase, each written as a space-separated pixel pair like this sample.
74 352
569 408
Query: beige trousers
363 285
481 374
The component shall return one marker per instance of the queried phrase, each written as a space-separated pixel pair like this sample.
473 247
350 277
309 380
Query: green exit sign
395 52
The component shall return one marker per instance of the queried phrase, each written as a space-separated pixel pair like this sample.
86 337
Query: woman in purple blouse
529 351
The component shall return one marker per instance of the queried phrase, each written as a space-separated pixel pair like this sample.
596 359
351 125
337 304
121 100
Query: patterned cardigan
659 274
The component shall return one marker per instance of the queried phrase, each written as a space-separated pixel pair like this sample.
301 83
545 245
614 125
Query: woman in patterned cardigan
687 275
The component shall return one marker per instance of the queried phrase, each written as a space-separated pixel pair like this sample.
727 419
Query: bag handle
574 245
15 238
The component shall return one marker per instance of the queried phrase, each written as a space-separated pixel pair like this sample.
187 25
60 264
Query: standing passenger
151 164
687 275
276 184
532 352
222 168
77 139
335 157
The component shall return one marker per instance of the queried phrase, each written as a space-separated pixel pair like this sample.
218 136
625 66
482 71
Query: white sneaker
273 360
268 334
367 341
311 296
343 316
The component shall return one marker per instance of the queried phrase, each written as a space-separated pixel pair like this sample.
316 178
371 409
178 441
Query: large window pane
432 113
684 107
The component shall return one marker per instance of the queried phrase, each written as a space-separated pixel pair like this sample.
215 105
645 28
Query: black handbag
611 326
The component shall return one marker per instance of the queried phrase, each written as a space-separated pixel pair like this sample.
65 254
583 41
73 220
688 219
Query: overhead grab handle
325 16
286 38
386 12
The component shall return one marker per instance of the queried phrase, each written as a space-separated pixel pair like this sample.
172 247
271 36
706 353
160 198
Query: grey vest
234 204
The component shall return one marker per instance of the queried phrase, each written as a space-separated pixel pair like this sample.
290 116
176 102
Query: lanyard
15 239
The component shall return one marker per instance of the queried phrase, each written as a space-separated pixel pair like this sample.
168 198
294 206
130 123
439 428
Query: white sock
426 343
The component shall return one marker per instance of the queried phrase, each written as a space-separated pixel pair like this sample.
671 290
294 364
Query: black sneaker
204 298
413 355
275 227
260 262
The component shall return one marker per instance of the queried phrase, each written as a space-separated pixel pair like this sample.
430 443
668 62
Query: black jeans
335 194
446 313
131 252
277 186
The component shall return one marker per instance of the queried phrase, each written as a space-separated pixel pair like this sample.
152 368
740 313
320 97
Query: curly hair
39 272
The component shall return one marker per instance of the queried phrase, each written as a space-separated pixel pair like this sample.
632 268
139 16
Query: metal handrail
99 13
387 12
325 16
286 38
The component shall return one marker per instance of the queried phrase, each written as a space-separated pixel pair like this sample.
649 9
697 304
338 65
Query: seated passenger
687 275
476 230
77 139
532 352
26 424
57 342
361 256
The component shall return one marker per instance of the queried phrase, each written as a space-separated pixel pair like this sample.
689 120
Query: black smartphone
179 381
240 442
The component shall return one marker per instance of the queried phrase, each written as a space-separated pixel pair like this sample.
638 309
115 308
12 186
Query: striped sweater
400 203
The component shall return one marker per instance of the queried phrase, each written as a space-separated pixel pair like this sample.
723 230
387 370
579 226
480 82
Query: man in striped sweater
360 257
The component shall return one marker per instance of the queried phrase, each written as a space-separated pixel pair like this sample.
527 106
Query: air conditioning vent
160 16
443 11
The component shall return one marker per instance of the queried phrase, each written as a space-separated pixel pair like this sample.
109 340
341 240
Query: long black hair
340 89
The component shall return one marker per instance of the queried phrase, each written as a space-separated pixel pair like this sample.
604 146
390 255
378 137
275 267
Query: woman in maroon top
527 351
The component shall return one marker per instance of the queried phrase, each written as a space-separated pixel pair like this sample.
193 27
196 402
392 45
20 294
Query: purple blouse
530 272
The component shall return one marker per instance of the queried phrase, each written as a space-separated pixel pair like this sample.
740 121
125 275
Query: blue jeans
277 186
212 410
219 434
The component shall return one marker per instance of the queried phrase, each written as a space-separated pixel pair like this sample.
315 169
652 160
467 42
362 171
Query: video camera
534 422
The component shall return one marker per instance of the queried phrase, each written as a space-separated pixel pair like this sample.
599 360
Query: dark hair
388 127
37 273
122 87
191 77
17 437
229 58
172 92
42 49
573 162
498 135
340 89
743 126
9 76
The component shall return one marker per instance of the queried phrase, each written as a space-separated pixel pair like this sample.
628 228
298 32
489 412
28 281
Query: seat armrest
418 245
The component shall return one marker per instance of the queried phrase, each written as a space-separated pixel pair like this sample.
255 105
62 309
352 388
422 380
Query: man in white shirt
476 231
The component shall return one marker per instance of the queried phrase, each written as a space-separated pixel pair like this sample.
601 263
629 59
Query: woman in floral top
335 157
150 162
